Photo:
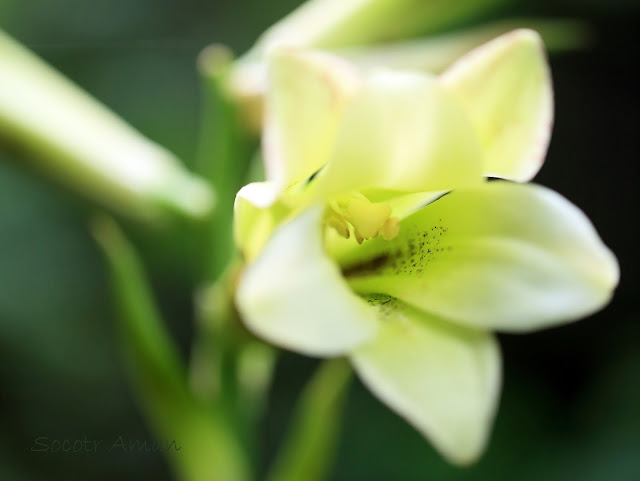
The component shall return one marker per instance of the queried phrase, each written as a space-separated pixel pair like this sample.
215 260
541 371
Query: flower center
368 219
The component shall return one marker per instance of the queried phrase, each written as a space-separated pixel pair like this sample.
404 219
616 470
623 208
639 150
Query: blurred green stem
225 149
70 137
209 449
229 370
309 448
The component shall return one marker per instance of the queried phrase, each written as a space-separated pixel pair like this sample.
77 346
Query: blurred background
571 403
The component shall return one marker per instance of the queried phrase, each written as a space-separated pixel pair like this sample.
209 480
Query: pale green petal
401 132
294 296
444 380
505 87
305 100
506 256
433 54
403 205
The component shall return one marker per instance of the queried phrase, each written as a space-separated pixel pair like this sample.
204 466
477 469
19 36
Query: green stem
209 449
222 350
230 369
223 159
309 449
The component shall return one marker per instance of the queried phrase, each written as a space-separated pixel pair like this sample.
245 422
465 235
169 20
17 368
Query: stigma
367 219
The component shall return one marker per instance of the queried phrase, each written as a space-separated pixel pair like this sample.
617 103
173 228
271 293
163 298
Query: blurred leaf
309 448
330 24
434 54
208 450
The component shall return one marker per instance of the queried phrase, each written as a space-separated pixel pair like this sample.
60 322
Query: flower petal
505 87
444 380
506 256
294 296
305 100
401 132
254 217
403 205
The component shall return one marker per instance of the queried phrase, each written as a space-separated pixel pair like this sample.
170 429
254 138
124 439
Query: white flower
349 254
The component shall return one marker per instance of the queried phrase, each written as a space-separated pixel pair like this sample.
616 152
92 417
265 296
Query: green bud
85 147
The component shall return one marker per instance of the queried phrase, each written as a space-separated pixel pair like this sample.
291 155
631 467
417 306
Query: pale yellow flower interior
367 219
441 271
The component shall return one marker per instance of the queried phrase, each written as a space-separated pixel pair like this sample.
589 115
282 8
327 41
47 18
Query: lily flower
377 235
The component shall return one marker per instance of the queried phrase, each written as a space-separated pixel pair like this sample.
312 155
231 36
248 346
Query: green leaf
331 24
435 53
310 446
208 449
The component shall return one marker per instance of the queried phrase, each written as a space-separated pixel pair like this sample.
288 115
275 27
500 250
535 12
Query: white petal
505 256
254 217
445 381
305 100
505 87
401 132
294 296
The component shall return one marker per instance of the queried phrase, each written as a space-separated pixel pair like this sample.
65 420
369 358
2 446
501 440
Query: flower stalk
224 152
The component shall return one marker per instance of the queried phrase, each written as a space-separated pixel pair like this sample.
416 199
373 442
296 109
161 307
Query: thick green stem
223 353
309 448
230 370
224 153
209 449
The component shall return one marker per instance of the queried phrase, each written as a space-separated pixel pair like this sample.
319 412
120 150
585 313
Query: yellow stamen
338 222
368 219
390 228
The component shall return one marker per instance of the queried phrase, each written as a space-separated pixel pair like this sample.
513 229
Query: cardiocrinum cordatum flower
378 236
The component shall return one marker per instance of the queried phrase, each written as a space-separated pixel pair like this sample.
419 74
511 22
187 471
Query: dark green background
571 403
